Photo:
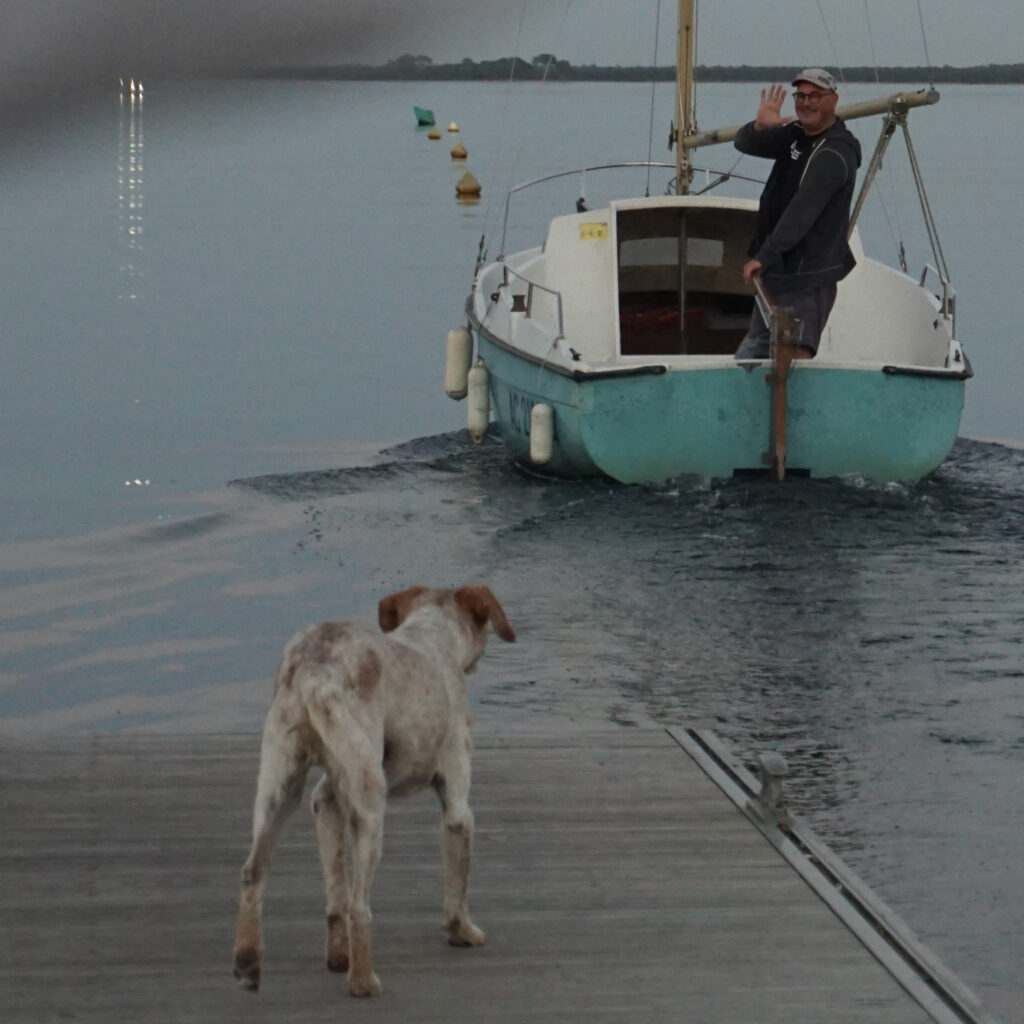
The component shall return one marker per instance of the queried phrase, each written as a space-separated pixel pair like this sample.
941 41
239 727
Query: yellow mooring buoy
452 126
433 134
467 185
459 151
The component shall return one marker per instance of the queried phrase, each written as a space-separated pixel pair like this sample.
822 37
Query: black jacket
804 214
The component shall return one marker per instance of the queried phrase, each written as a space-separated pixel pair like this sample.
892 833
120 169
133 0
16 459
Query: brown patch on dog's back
318 646
367 677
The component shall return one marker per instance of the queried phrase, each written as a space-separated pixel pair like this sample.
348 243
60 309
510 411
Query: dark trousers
811 307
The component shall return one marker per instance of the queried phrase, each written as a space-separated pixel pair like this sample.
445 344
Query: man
800 248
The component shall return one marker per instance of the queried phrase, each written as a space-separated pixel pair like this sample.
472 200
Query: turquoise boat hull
424 117
650 424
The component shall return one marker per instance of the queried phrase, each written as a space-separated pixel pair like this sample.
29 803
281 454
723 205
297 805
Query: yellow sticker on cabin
593 232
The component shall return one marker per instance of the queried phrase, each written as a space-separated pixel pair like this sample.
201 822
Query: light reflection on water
131 190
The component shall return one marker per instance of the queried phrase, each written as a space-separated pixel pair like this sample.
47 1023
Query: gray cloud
56 53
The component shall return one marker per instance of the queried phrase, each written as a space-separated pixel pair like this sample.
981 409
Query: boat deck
615 879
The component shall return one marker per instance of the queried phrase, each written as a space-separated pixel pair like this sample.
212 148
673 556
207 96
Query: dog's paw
365 986
337 964
462 932
247 971
337 944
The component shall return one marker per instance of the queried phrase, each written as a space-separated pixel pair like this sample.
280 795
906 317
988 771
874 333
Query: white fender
478 404
542 433
458 358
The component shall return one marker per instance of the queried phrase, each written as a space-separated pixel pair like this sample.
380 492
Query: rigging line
654 87
551 57
897 238
871 42
723 176
558 36
693 84
926 209
509 177
924 41
832 45
502 128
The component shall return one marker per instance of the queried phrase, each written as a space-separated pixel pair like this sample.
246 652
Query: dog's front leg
330 834
457 844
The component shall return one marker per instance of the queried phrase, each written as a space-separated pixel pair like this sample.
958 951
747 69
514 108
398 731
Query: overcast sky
958 32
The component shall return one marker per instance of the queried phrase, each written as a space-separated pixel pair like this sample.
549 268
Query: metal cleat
770 806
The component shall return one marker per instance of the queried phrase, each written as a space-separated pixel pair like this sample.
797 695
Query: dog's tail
284 677
333 676
351 750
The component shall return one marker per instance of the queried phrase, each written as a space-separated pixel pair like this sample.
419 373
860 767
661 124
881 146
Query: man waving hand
800 247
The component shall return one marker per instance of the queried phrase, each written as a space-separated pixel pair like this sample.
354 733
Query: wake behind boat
609 349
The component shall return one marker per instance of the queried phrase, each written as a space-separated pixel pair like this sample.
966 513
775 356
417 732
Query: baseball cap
819 77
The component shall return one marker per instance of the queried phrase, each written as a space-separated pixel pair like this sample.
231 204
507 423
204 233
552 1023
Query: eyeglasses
809 97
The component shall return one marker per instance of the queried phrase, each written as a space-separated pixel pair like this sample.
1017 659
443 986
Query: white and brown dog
383 713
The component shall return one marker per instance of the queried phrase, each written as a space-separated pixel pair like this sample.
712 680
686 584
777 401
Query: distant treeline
418 68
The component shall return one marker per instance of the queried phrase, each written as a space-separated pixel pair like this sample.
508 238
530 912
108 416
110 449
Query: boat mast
686 107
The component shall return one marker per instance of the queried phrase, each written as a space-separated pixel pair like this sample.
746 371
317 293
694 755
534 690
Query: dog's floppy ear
483 606
392 611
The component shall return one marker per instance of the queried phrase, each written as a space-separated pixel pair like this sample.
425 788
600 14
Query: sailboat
609 349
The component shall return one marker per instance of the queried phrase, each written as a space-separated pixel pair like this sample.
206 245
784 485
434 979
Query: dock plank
613 879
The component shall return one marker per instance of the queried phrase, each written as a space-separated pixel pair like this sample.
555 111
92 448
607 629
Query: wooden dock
616 875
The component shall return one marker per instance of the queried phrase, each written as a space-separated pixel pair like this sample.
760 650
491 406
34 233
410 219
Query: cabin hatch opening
680 281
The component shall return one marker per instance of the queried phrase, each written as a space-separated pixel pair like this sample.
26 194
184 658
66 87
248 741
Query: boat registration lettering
519 409
593 232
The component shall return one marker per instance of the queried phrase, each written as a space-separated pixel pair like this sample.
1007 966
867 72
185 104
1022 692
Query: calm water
240 297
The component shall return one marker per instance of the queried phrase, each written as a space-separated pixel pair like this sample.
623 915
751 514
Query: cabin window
680 282
649 252
705 252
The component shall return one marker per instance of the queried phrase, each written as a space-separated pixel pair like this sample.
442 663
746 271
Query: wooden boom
901 101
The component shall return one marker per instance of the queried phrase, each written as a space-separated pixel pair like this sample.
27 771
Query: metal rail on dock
942 995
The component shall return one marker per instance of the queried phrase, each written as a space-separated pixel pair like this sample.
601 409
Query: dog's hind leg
452 788
352 755
366 832
330 835
282 775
